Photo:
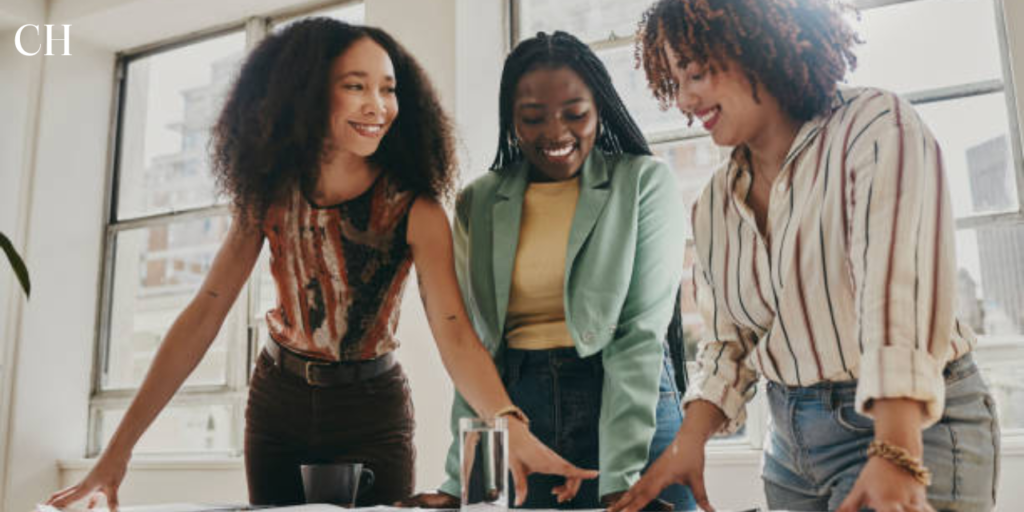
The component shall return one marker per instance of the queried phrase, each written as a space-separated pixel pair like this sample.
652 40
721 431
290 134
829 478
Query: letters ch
49 40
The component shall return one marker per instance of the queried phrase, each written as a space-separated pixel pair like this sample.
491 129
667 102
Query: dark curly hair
618 132
798 49
271 135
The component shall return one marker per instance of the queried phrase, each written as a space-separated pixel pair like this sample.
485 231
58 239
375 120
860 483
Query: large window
166 224
955 70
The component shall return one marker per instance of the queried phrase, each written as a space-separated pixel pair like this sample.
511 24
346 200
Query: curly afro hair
272 133
798 50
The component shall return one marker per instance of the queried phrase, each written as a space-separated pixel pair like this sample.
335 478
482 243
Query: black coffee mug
337 483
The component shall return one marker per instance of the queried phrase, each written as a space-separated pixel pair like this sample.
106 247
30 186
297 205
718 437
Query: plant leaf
17 264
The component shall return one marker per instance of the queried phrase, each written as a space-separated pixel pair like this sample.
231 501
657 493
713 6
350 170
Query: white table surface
201 507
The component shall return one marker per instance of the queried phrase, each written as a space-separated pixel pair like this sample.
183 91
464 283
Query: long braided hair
617 133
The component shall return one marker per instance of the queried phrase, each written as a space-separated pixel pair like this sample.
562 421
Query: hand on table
528 455
103 480
885 487
655 505
429 500
682 463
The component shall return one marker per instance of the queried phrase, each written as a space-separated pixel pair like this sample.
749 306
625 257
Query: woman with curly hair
335 150
825 264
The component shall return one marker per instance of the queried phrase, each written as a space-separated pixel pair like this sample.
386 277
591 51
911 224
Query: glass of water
483 457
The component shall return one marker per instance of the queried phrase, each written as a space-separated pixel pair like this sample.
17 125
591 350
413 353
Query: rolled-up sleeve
723 377
901 254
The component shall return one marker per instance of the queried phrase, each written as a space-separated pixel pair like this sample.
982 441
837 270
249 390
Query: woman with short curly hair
335 151
825 264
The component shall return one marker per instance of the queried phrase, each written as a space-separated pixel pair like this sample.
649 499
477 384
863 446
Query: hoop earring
513 140
603 134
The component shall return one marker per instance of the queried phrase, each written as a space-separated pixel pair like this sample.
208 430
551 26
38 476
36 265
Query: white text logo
49 40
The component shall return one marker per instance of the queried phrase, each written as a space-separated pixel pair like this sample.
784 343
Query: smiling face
363 101
556 120
722 99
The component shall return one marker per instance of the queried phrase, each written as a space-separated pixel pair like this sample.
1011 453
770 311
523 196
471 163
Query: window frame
757 409
242 346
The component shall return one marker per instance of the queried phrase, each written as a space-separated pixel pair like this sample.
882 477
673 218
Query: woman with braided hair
569 256
825 264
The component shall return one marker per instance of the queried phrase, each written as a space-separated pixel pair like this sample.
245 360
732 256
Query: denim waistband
518 361
955 370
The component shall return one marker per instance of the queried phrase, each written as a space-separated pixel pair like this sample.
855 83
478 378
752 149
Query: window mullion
990 220
672 136
102 354
163 219
954 92
612 42
1016 141
864 5
101 334
515 13
185 396
256 29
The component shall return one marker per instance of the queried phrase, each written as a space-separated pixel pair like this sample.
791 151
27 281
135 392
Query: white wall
18 96
53 357
458 41
14 13
17 91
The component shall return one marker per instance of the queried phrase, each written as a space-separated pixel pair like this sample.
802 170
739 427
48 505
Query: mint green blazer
623 266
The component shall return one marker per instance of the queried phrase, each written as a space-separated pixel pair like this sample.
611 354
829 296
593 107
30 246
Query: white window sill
162 463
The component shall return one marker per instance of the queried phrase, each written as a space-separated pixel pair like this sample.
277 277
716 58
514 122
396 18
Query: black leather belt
327 373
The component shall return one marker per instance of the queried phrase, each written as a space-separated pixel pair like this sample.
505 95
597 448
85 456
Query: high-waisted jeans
561 394
818 443
289 423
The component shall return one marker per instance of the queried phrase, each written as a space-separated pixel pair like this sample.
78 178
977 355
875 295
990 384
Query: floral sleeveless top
339 272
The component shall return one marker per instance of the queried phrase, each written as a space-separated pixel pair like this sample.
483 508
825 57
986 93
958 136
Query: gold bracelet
902 458
515 412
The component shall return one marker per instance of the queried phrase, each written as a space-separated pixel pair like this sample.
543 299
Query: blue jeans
818 442
561 394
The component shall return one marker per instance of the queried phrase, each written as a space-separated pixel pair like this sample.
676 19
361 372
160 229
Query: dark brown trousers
290 423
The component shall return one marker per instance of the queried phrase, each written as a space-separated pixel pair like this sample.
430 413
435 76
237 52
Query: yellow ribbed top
536 311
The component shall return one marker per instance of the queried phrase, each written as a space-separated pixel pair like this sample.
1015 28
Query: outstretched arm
464 356
182 349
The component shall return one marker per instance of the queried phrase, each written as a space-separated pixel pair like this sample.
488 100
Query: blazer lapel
594 193
506 216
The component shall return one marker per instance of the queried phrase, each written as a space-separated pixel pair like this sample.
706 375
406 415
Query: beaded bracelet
902 459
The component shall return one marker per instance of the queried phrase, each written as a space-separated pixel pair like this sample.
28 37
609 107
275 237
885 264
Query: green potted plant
16 263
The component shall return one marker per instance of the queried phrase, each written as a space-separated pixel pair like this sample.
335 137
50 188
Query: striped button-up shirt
855 277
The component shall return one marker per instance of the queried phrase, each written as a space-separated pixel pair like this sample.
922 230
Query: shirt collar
808 132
